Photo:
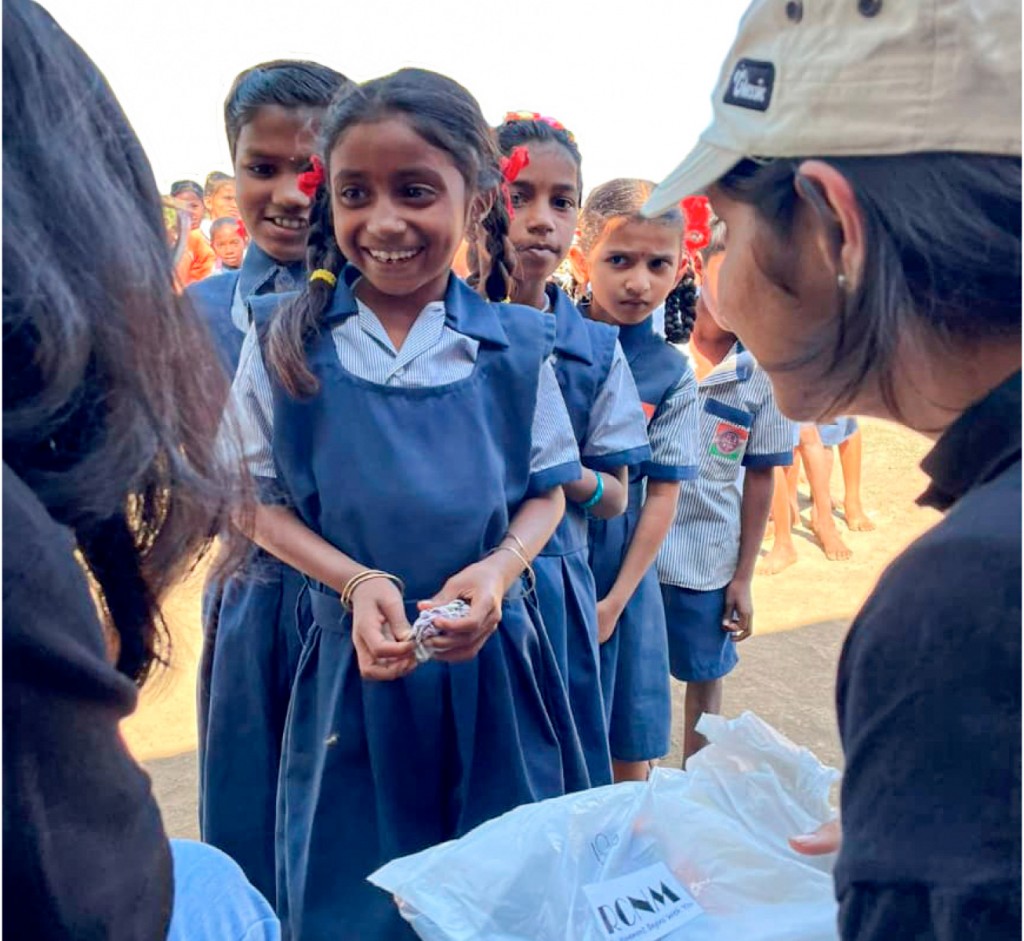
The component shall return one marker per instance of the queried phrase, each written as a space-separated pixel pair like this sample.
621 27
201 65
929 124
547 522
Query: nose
538 219
287 194
637 283
385 220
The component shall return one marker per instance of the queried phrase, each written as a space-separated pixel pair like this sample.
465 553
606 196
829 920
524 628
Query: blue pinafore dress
251 642
566 594
634 660
420 482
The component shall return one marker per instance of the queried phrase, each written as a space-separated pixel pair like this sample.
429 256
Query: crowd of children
586 462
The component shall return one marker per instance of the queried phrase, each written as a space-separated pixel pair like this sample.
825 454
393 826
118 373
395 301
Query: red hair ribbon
697 211
511 167
242 233
310 181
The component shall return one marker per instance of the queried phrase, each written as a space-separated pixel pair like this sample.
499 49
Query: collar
258 271
572 338
466 312
978 446
635 335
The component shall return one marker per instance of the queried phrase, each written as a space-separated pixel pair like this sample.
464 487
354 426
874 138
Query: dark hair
224 222
942 235
215 180
288 83
109 379
445 115
518 132
623 198
187 186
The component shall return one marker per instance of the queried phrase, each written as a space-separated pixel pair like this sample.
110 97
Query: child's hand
482 586
608 613
738 617
378 618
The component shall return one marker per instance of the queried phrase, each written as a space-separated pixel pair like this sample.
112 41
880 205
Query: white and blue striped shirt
616 423
740 426
433 354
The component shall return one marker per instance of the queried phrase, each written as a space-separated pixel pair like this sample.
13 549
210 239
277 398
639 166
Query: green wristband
595 497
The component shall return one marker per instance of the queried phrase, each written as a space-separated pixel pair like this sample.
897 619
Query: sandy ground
786 670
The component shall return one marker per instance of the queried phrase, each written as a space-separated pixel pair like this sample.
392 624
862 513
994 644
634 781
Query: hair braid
500 253
681 309
292 327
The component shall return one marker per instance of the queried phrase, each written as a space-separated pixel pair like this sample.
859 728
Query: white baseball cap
832 78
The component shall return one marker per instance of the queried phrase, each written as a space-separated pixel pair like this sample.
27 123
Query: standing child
220 200
631 265
251 644
418 431
543 173
706 564
228 243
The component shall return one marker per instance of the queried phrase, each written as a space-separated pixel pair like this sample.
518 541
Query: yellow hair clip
322 274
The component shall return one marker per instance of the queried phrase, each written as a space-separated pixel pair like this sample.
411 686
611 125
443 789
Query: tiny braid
681 309
500 253
292 327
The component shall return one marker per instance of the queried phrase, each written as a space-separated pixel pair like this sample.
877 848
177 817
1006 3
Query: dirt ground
787 680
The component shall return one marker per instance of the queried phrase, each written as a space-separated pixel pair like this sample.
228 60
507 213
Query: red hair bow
511 167
697 211
310 181
242 233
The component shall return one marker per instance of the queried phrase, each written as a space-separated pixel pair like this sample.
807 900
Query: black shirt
929 702
85 855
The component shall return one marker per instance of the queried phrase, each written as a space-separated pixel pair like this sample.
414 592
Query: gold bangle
366 575
519 542
526 564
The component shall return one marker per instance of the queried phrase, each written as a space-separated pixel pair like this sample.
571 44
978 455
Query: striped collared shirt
740 426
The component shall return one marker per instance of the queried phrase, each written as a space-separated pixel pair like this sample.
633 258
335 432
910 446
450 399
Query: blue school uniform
634 660
611 432
412 461
251 644
740 427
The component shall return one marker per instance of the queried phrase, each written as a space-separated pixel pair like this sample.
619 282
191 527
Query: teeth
286 222
391 257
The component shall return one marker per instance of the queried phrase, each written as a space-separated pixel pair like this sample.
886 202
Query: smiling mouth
291 223
392 257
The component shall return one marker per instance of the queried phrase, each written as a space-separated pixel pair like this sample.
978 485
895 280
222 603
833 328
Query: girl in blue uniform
251 641
631 265
418 431
545 190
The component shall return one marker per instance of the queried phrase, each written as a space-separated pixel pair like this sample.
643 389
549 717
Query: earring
841 282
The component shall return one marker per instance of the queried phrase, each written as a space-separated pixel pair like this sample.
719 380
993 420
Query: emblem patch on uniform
750 85
730 441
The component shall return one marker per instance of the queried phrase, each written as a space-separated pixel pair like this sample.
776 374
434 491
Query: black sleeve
929 712
85 855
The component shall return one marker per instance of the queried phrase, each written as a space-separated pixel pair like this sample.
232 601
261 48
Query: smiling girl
418 432
599 392
632 265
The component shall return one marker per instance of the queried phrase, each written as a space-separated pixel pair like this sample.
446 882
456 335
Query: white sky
631 80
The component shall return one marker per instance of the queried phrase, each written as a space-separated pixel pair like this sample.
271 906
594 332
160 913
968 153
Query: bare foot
828 537
778 559
857 521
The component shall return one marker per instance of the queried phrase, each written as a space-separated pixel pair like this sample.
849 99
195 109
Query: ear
208 203
840 236
578 265
478 209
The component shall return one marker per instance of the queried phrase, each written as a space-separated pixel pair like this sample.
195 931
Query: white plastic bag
700 855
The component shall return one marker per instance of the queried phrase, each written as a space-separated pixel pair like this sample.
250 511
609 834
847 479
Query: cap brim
704 165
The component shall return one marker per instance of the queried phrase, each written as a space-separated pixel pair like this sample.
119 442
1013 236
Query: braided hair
447 117
624 198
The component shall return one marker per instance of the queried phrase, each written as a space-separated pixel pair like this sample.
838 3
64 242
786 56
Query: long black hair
448 117
110 384
942 251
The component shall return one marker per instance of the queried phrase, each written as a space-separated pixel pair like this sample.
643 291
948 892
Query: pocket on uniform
725 431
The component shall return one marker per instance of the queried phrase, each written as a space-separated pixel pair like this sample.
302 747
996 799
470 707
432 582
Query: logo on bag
750 85
648 904
729 441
